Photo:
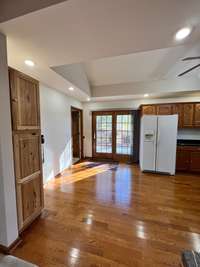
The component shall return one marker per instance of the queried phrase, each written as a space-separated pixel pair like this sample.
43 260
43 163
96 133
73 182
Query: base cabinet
195 161
182 160
188 159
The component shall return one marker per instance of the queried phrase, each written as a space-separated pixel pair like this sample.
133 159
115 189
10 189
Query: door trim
81 130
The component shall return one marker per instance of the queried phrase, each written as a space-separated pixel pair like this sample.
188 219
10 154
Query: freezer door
166 144
148 138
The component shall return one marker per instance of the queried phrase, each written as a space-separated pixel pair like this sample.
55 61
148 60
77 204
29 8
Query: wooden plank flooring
105 215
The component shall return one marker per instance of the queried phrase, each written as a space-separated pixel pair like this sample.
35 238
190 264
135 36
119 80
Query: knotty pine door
25 111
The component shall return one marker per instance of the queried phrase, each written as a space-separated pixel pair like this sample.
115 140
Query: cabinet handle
14 100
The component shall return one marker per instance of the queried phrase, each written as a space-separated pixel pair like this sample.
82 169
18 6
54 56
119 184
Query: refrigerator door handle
158 137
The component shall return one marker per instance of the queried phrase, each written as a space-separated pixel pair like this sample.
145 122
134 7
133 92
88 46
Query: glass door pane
124 134
104 134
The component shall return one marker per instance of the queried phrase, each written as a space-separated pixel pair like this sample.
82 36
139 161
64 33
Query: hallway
114 215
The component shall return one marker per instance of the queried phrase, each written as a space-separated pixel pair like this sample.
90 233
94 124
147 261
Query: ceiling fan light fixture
183 33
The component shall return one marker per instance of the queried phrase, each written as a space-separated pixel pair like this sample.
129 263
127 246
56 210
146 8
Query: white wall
8 210
56 126
130 104
183 84
189 134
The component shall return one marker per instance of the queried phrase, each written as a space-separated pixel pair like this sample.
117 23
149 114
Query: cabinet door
164 109
182 160
27 154
195 161
149 110
178 109
31 198
188 115
197 115
24 101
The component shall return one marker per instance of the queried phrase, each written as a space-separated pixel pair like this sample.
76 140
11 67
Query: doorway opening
77 134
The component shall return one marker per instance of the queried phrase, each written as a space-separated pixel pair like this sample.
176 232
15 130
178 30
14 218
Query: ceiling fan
188 59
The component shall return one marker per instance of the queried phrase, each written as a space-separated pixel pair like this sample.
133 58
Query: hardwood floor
102 215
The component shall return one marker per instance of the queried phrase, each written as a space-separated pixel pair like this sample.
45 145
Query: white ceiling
144 66
84 30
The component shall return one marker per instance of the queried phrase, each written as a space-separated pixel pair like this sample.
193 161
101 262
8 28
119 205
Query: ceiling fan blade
183 73
190 58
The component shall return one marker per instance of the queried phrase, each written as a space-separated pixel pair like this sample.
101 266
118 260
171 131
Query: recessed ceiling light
88 99
71 88
29 63
183 33
146 95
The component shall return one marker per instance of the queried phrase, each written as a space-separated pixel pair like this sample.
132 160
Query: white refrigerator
158 140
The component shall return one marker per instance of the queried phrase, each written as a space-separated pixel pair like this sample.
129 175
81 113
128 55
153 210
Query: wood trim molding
8 250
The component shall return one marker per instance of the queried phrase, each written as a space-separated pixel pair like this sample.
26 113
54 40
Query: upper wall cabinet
24 101
178 109
197 115
149 110
188 115
165 109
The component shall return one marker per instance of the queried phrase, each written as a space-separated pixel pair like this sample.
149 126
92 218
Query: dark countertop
186 142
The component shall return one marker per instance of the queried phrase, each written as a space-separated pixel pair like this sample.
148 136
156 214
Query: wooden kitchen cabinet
197 115
25 112
27 154
164 109
182 160
149 110
195 161
24 101
188 158
188 115
31 198
178 109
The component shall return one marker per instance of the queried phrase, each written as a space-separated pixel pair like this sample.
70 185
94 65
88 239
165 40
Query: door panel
24 101
197 115
178 109
124 135
103 134
27 154
31 197
195 161
148 143
166 144
164 109
76 133
182 160
188 115
149 110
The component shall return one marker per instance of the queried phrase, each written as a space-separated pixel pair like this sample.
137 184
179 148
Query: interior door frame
114 156
81 130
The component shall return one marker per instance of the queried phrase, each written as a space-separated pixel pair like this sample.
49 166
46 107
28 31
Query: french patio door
113 134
